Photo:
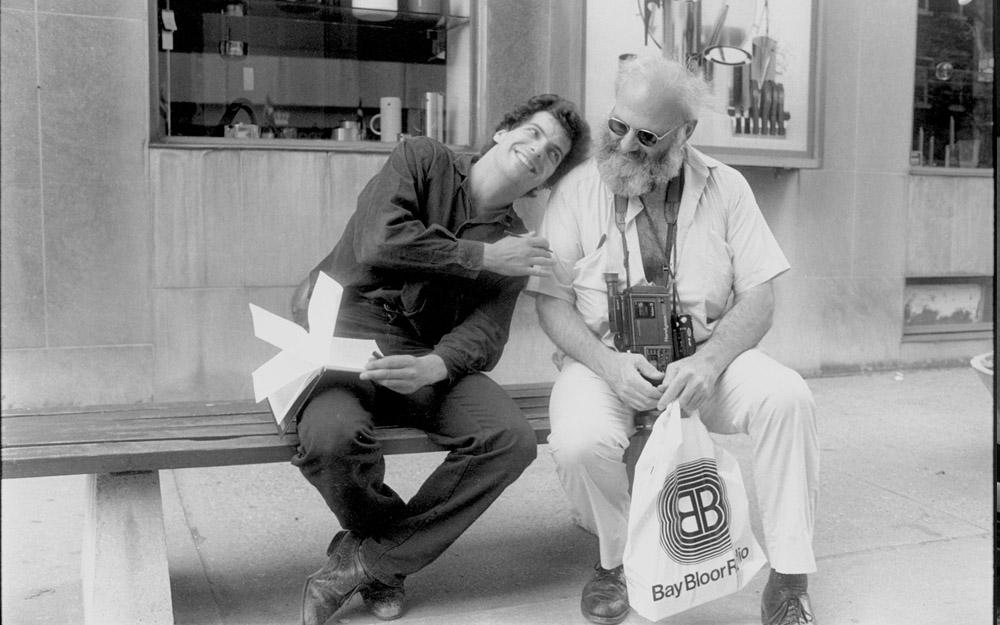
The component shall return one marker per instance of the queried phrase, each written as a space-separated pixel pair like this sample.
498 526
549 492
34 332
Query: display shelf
310 11
406 41
429 24
968 172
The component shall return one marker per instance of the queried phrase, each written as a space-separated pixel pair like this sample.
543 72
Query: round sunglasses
646 137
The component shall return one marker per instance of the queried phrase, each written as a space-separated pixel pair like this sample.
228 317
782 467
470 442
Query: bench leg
125 575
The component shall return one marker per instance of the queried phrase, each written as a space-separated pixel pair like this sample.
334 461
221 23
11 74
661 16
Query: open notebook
307 360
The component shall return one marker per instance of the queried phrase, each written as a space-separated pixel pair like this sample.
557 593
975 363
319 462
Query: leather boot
382 600
331 587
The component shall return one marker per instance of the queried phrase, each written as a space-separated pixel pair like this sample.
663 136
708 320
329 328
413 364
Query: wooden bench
121 448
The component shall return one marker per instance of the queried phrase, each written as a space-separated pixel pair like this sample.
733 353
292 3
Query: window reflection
308 69
953 97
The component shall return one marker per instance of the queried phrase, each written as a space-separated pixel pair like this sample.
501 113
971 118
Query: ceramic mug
390 118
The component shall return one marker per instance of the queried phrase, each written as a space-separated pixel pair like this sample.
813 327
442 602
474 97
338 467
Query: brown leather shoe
785 605
382 600
331 587
605 596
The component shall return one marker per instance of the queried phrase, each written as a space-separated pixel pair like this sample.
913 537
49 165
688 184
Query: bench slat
68 459
177 409
47 430
526 395
141 456
106 439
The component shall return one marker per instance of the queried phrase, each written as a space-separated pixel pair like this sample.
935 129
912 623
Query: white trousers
756 395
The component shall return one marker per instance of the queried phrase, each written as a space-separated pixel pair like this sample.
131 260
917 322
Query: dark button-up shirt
415 245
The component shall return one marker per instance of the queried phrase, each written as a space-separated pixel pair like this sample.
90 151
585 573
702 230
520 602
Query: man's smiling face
533 149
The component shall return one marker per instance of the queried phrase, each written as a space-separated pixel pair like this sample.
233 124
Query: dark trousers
490 444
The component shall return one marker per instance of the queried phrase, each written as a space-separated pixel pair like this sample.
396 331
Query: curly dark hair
565 112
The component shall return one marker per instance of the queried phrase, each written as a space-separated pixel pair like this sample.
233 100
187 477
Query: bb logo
694 513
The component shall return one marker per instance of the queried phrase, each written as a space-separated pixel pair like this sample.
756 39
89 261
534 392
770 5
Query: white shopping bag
689 537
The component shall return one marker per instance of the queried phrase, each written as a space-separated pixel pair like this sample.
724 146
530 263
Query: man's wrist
486 260
715 357
436 369
605 361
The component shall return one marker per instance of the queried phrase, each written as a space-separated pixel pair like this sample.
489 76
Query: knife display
780 97
757 107
756 99
767 104
735 108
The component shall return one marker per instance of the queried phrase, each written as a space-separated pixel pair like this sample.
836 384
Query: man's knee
524 448
579 449
517 443
331 425
789 398
499 428
793 388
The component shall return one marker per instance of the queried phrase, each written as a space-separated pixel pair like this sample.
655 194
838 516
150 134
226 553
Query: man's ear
689 127
499 134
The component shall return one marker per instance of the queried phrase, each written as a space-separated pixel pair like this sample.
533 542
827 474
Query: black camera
644 321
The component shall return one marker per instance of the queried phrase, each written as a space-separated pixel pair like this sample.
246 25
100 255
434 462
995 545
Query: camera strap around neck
675 190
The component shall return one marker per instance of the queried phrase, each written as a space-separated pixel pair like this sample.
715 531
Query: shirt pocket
591 289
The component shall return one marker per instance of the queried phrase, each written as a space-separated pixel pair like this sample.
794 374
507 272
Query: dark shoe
605 597
785 604
328 589
382 600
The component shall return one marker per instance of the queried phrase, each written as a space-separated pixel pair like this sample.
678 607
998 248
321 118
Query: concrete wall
856 227
127 270
75 209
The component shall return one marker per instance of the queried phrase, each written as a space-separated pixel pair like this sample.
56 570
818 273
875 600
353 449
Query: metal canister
434 115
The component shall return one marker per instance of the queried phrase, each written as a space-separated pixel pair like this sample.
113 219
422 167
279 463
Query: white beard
636 173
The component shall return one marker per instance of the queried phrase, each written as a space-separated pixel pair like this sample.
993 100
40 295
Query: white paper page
324 306
282 399
304 352
350 354
277 331
278 372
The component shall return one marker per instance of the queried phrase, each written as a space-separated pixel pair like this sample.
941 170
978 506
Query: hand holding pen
404 373
519 255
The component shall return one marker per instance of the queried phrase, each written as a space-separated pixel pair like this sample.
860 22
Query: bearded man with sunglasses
689 218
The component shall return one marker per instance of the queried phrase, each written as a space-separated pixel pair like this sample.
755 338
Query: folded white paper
287 379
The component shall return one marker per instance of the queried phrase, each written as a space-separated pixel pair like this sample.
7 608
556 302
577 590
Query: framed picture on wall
759 58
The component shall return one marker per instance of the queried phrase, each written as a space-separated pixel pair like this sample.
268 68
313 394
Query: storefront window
343 70
948 305
953 98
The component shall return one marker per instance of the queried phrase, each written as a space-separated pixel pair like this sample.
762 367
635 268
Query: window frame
953 331
158 138
929 170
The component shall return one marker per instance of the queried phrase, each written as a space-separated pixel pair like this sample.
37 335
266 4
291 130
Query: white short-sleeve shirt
724 246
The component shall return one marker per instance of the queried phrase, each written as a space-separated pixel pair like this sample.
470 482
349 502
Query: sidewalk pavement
904 530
